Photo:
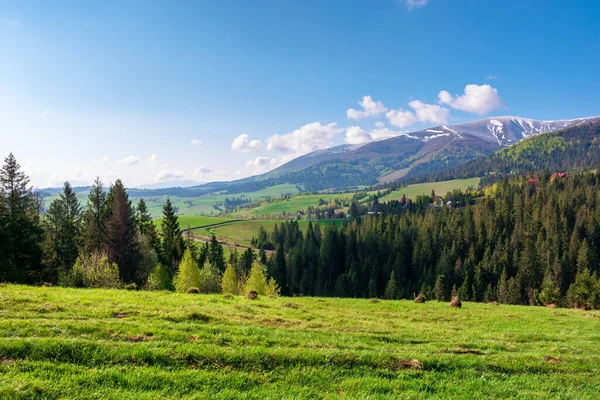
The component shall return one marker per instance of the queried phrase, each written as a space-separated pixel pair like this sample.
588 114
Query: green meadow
241 232
117 344
441 188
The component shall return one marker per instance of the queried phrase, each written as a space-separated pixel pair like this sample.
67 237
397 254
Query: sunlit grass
69 343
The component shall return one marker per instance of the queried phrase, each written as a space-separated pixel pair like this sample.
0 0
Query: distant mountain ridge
409 154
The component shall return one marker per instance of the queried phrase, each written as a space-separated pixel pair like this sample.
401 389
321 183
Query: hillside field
441 188
109 344
240 233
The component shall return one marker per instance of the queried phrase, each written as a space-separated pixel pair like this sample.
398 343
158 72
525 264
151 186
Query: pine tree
173 245
146 226
63 233
215 255
280 269
188 274
210 279
21 226
123 247
391 290
439 291
94 219
229 283
257 279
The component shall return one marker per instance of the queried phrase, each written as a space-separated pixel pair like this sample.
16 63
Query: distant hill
573 148
410 155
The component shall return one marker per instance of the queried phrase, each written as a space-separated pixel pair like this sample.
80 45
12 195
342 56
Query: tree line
109 243
526 241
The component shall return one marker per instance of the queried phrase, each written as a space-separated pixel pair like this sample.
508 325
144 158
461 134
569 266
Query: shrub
273 289
188 275
94 271
229 284
210 279
192 290
159 279
585 291
257 280
131 286
550 294
253 294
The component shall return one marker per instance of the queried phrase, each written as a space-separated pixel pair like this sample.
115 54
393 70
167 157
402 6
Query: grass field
291 205
441 188
194 221
240 233
200 205
108 344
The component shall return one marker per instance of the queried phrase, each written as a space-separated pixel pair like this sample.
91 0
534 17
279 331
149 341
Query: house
560 175
437 202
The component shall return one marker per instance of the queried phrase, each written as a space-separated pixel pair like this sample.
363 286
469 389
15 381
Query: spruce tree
123 246
229 283
173 244
21 227
146 226
63 233
391 290
215 255
94 232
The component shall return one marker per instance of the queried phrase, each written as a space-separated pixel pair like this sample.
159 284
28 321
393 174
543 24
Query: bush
210 279
550 294
229 284
159 279
585 291
94 271
257 280
188 275
272 289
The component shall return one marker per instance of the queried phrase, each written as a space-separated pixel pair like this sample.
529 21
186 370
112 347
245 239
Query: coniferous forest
530 240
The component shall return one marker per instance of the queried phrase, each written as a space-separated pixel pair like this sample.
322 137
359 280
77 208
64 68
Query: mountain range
409 154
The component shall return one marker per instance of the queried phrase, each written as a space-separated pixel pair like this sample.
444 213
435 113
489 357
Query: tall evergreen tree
216 257
20 224
146 226
173 244
123 246
96 214
63 233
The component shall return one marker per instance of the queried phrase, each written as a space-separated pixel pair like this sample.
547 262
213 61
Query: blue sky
212 90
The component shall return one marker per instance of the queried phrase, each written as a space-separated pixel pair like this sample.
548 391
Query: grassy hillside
194 221
101 344
240 233
441 188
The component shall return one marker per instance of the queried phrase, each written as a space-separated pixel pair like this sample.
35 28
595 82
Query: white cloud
357 135
196 142
423 112
261 164
104 160
243 144
478 99
131 160
153 159
401 118
370 107
411 4
168 175
430 112
491 77
305 139
203 170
